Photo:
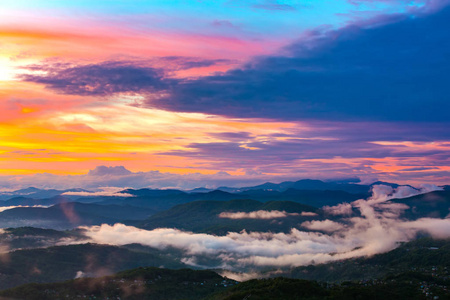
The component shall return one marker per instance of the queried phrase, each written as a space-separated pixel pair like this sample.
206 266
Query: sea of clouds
377 228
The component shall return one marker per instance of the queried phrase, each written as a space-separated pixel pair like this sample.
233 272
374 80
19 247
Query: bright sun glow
6 70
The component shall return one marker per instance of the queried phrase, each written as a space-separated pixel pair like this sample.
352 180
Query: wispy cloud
104 191
99 79
378 229
273 5
260 214
114 91
325 225
3 208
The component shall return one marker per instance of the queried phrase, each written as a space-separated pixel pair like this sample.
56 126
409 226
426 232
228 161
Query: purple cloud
98 79
109 171
391 68
115 76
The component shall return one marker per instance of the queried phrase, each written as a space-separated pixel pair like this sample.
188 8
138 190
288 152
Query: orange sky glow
44 130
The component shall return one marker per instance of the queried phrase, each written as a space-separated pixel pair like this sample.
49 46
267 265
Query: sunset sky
208 93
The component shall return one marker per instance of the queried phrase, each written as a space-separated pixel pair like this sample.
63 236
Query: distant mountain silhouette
36 193
70 215
311 184
203 216
165 199
349 186
430 205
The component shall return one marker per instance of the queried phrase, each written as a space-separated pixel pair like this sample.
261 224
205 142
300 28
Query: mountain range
304 184
150 208
204 216
268 213
413 271
68 215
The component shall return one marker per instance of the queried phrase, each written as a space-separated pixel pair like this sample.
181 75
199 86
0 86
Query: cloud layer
103 191
379 69
260 214
361 92
378 229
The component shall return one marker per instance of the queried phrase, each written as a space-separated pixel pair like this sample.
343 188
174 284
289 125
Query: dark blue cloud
115 76
395 68
381 131
174 63
98 79
392 72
